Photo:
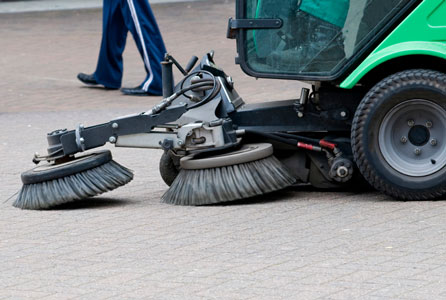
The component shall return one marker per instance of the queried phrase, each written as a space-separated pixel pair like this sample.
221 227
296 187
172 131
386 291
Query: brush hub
49 171
247 153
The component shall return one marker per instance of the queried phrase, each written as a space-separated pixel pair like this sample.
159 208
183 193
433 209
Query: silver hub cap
411 138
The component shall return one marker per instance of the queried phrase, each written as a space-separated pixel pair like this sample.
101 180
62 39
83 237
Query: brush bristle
216 185
89 183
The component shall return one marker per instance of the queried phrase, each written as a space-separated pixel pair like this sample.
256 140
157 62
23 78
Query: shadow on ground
93 203
289 194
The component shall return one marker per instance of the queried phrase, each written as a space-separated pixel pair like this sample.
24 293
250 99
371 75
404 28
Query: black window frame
354 61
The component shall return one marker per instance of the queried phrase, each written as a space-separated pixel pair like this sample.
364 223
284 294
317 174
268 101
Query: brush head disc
250 171
85 176
48 171
247 153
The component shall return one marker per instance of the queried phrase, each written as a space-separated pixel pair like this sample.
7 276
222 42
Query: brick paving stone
293 244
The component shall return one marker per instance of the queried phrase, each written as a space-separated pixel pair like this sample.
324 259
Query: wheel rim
411 138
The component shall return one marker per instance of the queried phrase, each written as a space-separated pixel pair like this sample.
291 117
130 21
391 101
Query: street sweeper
374 109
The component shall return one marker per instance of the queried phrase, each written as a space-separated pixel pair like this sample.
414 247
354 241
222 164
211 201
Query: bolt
180 143
417 151
429 124
112 139
195 78
410 123
434 142
300 114
343 114
115 125
403 139
230 81
82 140
342 172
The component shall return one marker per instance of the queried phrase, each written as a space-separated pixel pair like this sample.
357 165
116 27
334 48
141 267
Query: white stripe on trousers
146 84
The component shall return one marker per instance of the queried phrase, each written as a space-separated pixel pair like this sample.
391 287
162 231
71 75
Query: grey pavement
52 5
294 244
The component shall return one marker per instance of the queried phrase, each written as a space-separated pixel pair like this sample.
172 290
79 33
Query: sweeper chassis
321 138
310 134
374 109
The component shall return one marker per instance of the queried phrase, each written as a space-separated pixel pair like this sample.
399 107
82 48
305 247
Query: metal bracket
235 24
80 141
299 105
198 135
153 140
87 138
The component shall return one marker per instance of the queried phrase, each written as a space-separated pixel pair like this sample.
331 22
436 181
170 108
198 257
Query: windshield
317 36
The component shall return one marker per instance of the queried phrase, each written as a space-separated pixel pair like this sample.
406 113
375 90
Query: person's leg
141 22
114 34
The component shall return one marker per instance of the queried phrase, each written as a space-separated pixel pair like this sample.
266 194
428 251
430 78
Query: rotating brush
250 171
86 176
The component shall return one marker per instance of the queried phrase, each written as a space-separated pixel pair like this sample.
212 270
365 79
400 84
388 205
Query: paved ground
20 6
295 244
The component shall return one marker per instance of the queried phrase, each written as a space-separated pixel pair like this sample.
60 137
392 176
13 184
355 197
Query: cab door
311 39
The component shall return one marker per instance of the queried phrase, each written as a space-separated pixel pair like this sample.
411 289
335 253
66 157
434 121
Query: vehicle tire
399 135
168 170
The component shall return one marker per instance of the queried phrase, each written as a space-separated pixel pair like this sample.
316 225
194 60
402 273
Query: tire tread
401 79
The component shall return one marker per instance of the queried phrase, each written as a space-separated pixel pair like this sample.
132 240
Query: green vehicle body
376 67
423 32
410 33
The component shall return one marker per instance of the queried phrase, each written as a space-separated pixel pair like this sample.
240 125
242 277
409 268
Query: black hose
167 101
273 137
205 88
202 83
213 93
193 86
297 137
202 80
289 139
202 89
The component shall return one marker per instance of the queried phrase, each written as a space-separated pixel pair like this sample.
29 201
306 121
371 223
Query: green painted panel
423 32
438 16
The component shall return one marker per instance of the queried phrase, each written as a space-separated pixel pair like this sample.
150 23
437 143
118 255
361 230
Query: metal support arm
87 138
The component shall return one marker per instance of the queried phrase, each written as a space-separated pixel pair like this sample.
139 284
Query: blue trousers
120 17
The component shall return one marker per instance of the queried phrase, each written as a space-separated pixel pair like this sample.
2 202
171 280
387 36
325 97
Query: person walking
120 17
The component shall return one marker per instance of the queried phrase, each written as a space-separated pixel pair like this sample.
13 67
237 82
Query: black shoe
87 79
137 91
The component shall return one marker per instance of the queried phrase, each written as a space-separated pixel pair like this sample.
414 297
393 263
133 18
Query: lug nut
342 172
417 151
434 142
343 114
403 139
429 124
410 123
